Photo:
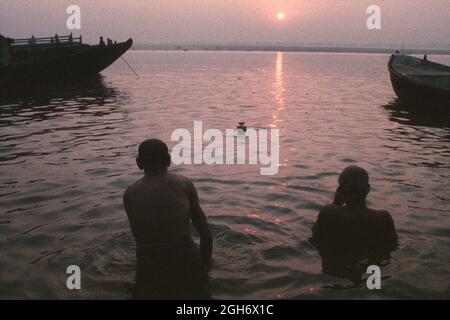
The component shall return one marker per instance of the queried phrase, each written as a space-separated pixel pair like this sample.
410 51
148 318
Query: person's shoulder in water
380 216
383 227
349 209
135 192
179 178
131 189
331 210
337 211
182 182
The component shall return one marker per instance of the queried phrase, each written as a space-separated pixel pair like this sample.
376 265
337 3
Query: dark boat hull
416 93
82 62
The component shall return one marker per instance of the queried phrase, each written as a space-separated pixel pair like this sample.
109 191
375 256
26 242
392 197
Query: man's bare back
347 231
342 231
160 207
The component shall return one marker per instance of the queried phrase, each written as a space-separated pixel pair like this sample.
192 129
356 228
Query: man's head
153 155
354 185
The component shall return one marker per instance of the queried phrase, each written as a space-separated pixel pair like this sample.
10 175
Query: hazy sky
417 23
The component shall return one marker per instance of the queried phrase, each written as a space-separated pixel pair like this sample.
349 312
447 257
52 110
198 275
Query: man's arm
317 230
126 205
320 232
391 238
201 224
126 201
338 200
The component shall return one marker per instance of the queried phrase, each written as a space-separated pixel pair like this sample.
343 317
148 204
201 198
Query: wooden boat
419 81
53 58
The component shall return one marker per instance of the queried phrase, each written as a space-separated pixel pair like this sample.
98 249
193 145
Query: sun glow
280 16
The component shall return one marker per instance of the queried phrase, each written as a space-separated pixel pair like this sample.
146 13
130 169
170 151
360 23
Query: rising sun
280 16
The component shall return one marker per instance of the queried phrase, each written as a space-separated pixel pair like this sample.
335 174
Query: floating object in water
242 127
419 80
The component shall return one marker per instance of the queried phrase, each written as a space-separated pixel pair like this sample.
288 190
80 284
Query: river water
67 154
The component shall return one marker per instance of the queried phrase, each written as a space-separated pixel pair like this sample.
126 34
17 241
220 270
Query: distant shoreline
256 48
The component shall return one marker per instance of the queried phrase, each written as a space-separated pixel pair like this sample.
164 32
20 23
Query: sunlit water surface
67 154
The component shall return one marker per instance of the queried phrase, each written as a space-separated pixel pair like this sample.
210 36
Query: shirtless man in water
347 231
160 207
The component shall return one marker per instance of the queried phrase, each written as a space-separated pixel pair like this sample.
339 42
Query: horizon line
286 48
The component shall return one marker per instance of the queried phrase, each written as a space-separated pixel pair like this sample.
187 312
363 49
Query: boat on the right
420 81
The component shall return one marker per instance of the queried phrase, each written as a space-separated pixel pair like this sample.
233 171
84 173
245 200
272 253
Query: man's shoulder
331 211
381 218
180 179
131 189
331 208
381 215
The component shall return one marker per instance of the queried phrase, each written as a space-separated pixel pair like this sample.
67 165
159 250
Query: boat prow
101 57
419 81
